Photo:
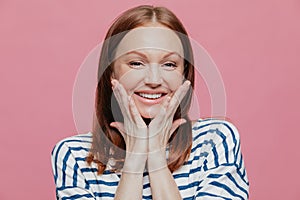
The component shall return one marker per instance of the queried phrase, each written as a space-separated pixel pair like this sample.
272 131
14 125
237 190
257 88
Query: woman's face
149 64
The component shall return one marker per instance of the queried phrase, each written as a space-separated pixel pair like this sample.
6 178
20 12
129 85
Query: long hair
107 142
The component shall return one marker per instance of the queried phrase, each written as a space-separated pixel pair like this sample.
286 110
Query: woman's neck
147 120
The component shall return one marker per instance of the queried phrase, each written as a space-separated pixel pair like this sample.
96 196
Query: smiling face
149 64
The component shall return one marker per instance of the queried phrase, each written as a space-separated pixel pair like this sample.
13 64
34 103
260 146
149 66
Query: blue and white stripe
215 169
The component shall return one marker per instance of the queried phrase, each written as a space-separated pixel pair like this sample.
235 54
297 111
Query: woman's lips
142 96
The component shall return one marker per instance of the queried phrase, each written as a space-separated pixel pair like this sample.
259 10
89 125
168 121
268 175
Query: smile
150 96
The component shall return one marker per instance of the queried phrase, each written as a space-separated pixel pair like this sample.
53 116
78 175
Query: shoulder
78 143
217 127
68 159
218 134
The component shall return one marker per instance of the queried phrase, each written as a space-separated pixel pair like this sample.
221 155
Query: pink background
255 44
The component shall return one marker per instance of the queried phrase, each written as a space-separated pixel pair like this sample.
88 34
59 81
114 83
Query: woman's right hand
133 130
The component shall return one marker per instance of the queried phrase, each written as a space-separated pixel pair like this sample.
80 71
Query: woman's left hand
162 127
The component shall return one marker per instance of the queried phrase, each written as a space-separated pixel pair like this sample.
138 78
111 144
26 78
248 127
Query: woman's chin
150 112
148 115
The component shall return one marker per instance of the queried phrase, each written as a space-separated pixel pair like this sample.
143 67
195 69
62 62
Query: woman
143 144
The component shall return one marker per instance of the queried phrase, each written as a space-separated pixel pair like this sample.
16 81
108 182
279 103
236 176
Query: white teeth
150 96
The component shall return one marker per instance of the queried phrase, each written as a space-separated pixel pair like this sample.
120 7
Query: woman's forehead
156 38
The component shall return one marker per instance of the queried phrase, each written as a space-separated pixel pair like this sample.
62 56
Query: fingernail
113 83
183 121
168 98
112 124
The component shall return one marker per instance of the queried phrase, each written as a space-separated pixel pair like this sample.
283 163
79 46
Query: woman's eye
136 64
170 65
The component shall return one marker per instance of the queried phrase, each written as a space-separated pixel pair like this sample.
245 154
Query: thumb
176 124
119 126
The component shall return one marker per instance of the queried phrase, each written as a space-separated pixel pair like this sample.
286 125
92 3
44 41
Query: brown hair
107 141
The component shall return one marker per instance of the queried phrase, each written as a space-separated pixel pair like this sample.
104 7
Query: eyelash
170 64
138 64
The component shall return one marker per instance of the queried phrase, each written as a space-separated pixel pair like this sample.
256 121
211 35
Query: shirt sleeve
69 180
223 173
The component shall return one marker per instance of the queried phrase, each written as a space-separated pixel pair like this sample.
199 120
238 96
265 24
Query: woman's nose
153 75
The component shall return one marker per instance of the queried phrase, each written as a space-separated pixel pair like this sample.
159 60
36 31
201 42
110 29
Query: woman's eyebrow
171 54
145 56
136 52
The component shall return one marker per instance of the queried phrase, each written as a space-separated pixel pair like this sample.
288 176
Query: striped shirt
215 169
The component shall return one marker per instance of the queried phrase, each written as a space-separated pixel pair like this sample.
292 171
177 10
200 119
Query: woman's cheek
131 80
174 81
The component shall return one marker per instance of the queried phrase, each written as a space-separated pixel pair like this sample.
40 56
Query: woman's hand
133 130
144 142
162 127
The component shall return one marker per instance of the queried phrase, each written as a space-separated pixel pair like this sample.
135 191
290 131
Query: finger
136 114
165 104
117 91
180 93
159 122
178 96
123 93
176 124
162 109
121 97
120 127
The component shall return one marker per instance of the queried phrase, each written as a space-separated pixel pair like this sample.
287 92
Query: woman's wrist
134 162
157 160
